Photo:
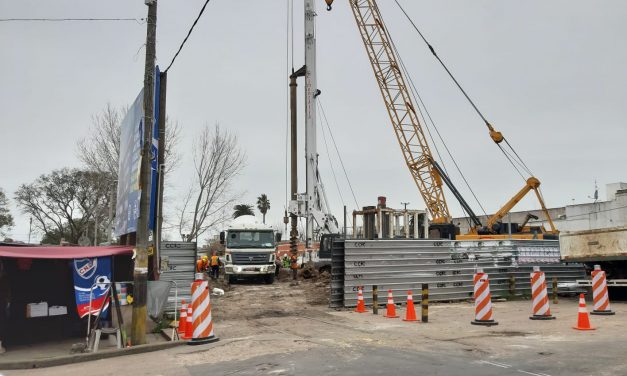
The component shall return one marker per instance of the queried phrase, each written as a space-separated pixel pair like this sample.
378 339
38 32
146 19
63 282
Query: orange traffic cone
391 308
189 326
183 318
583 319
361 306
410 313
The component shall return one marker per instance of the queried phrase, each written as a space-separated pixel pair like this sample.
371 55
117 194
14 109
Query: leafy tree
263 204
67 203
6 219
218 160
242 209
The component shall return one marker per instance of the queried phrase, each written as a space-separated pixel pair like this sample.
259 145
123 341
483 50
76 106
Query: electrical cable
324 115
287 102
138 20
188 34
487 123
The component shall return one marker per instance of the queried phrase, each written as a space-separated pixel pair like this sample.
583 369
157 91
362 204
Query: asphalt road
362 361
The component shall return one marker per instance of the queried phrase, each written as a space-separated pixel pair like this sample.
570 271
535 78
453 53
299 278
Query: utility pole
163 84
30 228
110 220
405 203
140 271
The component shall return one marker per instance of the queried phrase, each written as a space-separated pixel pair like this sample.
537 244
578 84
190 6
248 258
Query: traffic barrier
410 312
361 306
391 307
483 300
583 320
599 293
183 318
539 296
202 321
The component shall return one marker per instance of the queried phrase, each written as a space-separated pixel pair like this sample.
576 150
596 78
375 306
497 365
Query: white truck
249 249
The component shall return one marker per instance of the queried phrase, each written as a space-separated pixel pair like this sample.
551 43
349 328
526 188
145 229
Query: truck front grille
250 258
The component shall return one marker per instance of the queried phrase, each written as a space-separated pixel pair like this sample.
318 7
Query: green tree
242 209
263 204
67 203
6 219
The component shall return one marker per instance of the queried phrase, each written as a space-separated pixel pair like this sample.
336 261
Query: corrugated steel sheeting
448 267
178 263
337 274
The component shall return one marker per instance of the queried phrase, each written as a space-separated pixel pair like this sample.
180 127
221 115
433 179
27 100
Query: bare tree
66 203
217 161
100 150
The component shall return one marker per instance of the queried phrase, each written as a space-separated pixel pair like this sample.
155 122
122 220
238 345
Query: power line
187 36
138 20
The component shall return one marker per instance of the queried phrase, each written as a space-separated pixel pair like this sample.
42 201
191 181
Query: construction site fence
447 266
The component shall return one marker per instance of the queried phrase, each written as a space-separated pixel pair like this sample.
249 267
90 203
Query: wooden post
512 285
425 302
375 300
140 271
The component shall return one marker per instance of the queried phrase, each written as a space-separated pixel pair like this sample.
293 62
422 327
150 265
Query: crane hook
329 2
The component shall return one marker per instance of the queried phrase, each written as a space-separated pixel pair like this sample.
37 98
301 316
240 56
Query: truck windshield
250 239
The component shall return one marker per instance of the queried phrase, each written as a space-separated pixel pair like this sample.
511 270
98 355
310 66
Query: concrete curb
86 357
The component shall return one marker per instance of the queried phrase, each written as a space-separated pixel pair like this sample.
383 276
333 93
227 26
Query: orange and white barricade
539 296
483 300
361 306
599 293
202 322
391 307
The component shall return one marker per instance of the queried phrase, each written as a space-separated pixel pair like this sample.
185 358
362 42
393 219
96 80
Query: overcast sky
549 74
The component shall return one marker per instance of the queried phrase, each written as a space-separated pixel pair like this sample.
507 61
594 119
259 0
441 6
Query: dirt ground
286 322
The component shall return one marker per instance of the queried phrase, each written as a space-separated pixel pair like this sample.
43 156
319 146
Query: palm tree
242 209
263 204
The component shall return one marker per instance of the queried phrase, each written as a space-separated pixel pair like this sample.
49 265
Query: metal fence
448 267
178 263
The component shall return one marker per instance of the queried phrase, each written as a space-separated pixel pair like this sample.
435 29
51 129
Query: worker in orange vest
202 264
215 265
294 266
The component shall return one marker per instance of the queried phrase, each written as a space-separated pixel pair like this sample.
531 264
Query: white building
590 216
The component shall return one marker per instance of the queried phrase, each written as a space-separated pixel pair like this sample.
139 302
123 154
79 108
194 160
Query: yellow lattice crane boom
400 108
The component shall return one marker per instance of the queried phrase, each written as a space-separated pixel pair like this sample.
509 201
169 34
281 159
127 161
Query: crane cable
326 121
487 123
416 94
337 185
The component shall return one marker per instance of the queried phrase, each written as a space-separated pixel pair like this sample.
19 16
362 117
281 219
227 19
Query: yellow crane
427 175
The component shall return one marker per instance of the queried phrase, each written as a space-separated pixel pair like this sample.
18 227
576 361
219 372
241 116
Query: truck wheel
269 279
230 279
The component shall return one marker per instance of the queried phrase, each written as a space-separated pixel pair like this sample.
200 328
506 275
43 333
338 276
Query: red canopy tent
58 252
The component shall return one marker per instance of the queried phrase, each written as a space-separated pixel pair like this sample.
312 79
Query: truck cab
249 249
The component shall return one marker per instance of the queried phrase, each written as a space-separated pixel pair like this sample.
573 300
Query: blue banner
86 273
